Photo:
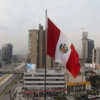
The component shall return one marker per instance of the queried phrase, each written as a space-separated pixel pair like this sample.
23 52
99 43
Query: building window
72 89
43 83
80 88
28 75
43 79
84 88
76 88
49 75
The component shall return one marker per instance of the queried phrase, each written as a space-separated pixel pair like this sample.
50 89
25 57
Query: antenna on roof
82 29
34 21
40 11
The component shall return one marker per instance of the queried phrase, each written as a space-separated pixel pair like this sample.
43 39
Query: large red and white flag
61 49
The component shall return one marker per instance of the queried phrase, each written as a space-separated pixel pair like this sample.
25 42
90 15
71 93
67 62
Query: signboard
30 66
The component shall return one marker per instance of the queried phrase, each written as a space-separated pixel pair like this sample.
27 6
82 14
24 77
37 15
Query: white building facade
35 79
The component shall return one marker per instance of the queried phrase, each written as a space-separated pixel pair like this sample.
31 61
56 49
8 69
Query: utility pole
45 56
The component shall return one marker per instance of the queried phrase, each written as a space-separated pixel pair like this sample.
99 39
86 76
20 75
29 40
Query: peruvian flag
61 49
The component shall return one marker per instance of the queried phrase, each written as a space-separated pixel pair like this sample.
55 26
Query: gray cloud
17 17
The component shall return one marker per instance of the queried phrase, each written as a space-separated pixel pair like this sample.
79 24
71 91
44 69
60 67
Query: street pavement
8 95
2 87
10 67
11 78
6 68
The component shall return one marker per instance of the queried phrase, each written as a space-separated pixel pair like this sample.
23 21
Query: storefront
77 87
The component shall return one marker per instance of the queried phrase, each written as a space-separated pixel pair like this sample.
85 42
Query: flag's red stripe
73 65
53 34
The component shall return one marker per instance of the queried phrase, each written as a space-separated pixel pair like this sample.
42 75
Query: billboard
30 66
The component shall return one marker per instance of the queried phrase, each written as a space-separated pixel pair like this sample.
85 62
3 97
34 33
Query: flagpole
45 54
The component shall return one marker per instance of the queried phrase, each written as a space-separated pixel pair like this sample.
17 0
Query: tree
95 81
77 96
60 97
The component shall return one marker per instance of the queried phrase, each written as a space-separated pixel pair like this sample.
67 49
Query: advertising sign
30 66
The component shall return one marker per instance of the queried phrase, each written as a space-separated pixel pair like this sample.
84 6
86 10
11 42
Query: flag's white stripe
59 56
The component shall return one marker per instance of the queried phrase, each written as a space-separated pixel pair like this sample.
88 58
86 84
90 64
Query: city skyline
17 17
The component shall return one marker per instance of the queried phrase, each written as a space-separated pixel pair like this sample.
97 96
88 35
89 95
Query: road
8 93
10 67
6 68
2 87
11 77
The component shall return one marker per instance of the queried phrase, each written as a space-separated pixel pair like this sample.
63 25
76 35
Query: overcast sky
18 16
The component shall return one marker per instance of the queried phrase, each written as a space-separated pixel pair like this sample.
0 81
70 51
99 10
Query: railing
11 72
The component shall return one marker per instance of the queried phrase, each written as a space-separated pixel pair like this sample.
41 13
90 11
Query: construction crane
82 29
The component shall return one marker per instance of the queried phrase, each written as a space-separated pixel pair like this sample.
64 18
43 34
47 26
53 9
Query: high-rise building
87 47
84 48
37 48
84 44
96 56
90 48
7 51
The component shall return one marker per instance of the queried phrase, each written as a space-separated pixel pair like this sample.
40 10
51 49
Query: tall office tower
96 55
7 51
87 46
90 48
37 48
84 45
86 49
